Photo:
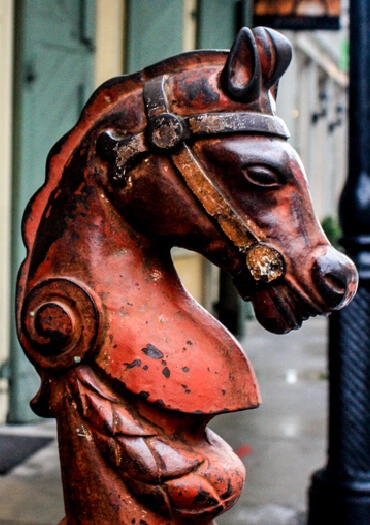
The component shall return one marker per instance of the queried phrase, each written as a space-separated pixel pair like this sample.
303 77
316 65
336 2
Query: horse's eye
261 175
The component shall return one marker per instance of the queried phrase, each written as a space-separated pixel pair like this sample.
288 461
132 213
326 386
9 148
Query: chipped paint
265 263
152 351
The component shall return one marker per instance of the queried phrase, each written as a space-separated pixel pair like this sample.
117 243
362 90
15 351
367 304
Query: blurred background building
53 53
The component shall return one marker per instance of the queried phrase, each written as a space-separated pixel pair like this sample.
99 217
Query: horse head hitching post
186 152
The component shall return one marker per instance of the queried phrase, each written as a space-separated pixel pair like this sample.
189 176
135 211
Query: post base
334 499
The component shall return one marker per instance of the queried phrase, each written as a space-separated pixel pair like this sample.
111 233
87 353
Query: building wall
6 68
110 37
318 124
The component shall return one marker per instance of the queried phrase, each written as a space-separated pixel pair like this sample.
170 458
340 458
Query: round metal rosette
265 263
165 131
60 324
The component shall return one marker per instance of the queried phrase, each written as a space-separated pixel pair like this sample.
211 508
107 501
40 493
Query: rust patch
143 394
264 263
152 351
136 362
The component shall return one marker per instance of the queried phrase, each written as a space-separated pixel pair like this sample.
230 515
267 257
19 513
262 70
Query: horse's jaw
326 284
279 311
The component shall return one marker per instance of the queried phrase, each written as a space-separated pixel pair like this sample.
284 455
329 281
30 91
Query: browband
165 129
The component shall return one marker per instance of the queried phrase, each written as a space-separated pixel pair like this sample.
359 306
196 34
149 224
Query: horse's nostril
335 278
331 290
335 284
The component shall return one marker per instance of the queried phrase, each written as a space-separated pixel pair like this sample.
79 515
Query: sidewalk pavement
282 443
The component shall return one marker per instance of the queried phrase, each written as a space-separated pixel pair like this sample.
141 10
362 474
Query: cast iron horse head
187 152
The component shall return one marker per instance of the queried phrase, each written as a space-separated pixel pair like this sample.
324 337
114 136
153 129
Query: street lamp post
340 493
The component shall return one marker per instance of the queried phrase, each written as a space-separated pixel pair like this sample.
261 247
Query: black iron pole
340 493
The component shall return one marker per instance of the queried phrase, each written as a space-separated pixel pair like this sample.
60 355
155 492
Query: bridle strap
167 131
211 199
264 262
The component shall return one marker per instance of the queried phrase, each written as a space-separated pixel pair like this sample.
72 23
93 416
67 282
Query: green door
54 76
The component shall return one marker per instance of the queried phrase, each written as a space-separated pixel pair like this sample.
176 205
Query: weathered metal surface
187 152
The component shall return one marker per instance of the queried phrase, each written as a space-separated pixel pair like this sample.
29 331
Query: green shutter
154 31
220 20
217 23
54 76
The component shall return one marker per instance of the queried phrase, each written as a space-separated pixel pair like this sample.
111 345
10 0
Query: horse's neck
154 338
155 344
161 344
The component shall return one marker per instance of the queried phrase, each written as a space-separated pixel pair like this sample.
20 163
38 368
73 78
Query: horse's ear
275 54
241 75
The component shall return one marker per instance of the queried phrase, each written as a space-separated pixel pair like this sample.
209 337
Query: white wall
6 58
110 24
315 69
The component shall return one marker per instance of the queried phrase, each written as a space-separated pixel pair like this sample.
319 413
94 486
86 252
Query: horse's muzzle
335 278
